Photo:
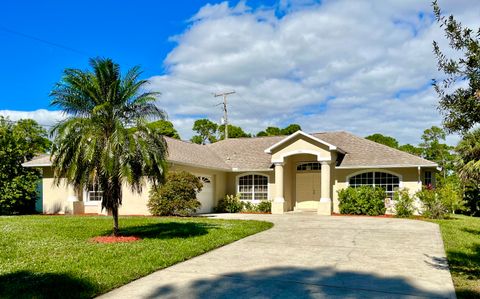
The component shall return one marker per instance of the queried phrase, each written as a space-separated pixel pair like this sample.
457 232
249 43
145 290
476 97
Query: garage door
206 195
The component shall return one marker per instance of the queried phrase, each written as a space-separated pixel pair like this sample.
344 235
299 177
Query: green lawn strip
52 256
461 236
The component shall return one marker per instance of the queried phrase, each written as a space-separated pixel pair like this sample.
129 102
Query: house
297 172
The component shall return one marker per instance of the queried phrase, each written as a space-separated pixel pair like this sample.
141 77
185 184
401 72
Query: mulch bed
113 239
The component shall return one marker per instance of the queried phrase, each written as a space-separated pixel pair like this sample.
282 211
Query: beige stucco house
297 172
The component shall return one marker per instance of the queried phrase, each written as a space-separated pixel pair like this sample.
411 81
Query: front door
307 190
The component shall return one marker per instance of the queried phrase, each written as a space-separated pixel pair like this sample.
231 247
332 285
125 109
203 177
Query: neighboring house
297 172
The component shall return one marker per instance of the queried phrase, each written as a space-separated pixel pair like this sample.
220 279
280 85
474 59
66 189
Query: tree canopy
19 142
276 131
206 131
233 132
95 145
460 106
165 128
435 149
383 139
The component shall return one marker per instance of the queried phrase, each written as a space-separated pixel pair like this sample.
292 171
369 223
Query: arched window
376 179
253 187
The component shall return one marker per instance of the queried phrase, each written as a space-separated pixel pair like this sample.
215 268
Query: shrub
229 204
248 206
404 203
265 206
178 196
450 194
364 200
432 205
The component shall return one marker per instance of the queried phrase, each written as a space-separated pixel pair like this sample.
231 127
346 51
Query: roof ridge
388 147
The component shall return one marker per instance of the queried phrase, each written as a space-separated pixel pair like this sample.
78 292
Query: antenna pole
225 111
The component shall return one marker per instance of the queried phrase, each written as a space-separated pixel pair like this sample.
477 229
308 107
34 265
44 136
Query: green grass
461 236
52 256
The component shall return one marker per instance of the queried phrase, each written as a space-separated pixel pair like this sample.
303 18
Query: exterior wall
55 198
409 178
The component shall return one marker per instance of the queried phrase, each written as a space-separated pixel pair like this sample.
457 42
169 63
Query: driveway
311 256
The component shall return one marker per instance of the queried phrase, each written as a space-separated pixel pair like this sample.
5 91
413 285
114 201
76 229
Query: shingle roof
245 153
248 153
185 152
363 152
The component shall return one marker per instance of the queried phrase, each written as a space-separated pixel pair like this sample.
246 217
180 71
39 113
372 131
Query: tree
382 139
233 132
411 149
290 129
19 143
262 134
95 144
273 131
433 149
468 150
206 131
461 106
165 128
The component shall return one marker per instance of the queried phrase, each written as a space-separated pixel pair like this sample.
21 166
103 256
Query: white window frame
253 200
400 177
309 170
86 198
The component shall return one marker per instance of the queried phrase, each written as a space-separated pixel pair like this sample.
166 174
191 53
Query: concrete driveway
310 256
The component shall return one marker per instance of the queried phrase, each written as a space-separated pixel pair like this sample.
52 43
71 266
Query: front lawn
461 236
52 256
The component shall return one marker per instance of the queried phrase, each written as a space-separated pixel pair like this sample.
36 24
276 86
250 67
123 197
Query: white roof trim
330 146
385 166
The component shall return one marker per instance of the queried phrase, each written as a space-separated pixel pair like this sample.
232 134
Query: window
309 166
204 180
427 178
387 181
94 194
253 187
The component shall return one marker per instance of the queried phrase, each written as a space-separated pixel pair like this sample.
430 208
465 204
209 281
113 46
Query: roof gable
295 135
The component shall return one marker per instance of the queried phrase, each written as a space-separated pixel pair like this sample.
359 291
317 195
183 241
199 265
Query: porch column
325 205
278 205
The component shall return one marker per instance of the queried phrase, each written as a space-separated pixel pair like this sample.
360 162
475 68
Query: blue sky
131 33
356 65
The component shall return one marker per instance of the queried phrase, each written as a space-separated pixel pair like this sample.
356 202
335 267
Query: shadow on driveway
293 282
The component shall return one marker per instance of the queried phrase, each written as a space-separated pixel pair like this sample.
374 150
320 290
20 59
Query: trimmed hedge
364 200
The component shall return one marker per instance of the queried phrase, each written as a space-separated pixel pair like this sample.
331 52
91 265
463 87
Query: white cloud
362 66
357 65
44 117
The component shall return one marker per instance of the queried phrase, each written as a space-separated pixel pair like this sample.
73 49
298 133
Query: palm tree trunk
116 231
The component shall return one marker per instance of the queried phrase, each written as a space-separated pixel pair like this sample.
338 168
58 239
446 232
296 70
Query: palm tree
95 145
468 150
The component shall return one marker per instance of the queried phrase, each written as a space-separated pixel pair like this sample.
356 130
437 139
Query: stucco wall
408 179
55 198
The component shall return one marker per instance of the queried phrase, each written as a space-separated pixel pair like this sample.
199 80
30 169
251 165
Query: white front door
206 196
307 190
